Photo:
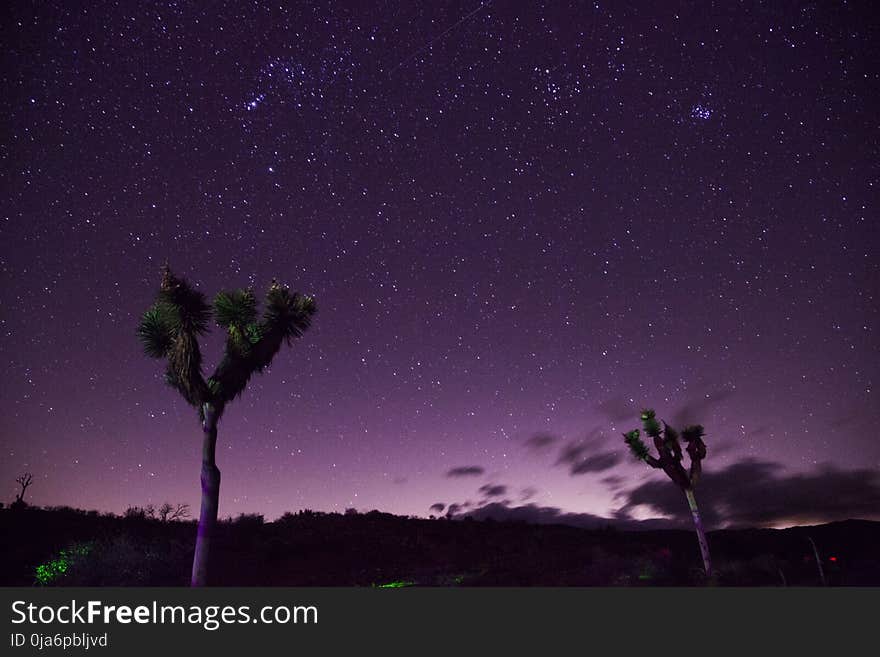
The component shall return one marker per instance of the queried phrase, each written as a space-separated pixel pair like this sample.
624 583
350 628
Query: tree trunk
210 498
701 534
818 561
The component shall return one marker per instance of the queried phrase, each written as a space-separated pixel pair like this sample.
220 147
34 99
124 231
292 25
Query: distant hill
63 546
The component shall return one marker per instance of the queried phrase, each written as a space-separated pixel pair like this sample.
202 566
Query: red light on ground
832 558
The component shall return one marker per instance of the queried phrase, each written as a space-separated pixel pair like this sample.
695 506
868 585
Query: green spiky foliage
171 326
669 452
237 313
649 423
637 445
236 308
194 312
251 345
157 329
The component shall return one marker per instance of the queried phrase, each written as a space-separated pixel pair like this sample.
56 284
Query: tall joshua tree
666 441
170 329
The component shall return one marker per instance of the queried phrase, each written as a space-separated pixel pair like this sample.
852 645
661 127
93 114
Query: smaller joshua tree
24 481
666 441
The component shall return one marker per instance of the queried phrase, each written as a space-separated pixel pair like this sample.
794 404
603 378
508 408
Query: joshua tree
669 460
24 481
170 328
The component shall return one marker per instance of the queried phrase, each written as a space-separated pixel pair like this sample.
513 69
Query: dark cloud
758 493
697 409
452 509
582 457
528 493
438 507
596 463
493 490
400 480
540 441
466 471
549 515
717 449
613 481
534 514
571 453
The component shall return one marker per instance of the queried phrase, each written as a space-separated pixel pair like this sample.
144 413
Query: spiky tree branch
170 329
639 448
666 442
696 449
251 345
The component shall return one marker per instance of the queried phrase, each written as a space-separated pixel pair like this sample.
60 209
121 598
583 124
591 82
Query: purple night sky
522 223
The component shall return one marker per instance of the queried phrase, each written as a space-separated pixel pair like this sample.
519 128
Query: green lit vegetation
398 584
50 571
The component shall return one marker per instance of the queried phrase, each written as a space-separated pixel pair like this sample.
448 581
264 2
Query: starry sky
522 223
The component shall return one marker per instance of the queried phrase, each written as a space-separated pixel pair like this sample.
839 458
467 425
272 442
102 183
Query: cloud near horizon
549 515
584 457
528 492
493 490
749 493
758 493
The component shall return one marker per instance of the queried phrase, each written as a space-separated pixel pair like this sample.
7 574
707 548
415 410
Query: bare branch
24 481
181 512
164 512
